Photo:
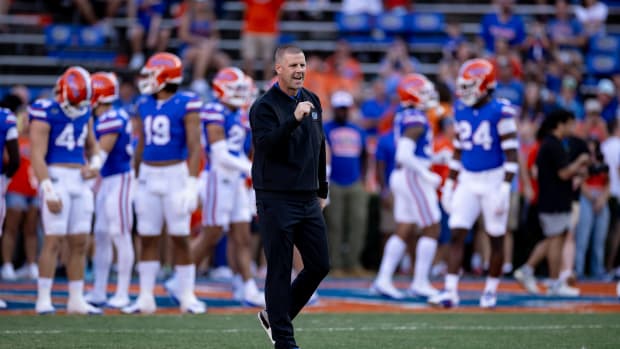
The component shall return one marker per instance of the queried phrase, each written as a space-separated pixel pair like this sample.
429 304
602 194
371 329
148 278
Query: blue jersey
8 131
116 121
478 135
235 130
410 117
386 152
512 31
347 143
164 125
67 136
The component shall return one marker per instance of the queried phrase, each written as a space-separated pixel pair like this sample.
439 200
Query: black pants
282 224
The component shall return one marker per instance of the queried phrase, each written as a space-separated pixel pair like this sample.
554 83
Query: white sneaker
386 289
254 299
118 302
142 305
445 299
526 280
563 290
422 291
264 322
488 300
44 307
618 289
3 304
95 299
28 271
80 306
193 305
8 273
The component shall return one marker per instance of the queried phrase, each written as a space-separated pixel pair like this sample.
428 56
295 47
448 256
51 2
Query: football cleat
8 273
44 307
94 299
118 302
171 286
561 289
193 305
386 289
488 300
254 299
422 291
142 305
3 304
527 280
80 306
445 299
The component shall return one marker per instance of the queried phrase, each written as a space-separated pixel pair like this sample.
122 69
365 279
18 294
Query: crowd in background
539 67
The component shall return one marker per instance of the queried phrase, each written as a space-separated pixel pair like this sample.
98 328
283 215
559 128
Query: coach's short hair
287 48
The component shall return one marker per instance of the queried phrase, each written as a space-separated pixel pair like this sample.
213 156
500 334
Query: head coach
290 182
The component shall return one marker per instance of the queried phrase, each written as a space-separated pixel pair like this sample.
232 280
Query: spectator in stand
351 7
503 24
537 44
593 214
344 71
508 87
565 31
199 35
260 35
592 14
593 125
399 6
379 105
22 204
454 39
534 107
396 63
127 96
606 95
567 98
317 80
346 214
611 151
147 17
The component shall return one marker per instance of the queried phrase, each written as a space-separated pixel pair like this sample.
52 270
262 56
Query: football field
360 331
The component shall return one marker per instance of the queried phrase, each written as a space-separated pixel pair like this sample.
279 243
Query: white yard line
397 328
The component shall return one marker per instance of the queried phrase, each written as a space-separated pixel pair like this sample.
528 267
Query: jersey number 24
481 136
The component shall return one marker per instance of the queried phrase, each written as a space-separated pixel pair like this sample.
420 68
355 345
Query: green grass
322 331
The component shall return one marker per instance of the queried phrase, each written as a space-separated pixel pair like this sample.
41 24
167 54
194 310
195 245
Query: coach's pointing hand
302 110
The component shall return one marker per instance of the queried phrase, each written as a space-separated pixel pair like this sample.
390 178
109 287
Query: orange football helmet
231 87
161 68
475 81
418 91
73 91
105 88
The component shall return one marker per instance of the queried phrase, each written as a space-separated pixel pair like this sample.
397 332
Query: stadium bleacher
34 50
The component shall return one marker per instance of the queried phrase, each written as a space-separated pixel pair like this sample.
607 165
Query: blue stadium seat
426 22
602 63
605 44
393 23
90 37
59 35
358 23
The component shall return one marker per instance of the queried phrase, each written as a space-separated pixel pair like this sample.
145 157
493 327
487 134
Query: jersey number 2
481 136
66 138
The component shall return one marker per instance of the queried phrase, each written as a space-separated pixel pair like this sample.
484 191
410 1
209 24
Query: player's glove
190 195
447 192
502 199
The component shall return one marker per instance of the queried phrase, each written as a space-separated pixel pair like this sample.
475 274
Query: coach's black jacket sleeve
267 131
323 187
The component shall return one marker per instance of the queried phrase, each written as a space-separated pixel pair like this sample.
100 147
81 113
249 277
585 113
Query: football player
414 188
113 202
8 141
61 132
167 161
485 161
227 200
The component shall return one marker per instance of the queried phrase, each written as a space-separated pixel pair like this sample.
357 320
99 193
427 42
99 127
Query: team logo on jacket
315 115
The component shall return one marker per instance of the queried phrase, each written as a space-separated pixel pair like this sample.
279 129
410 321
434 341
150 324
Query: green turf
322 331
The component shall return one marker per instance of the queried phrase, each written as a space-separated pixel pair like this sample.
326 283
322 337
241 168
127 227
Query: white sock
527 270
491 285
249 287
425 252
102 260
76 289
565 274
393 252
148 273
44 289
125 255
452 282
186 276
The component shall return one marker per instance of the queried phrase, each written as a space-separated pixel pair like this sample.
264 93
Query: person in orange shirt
344 71
22 212
260 34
